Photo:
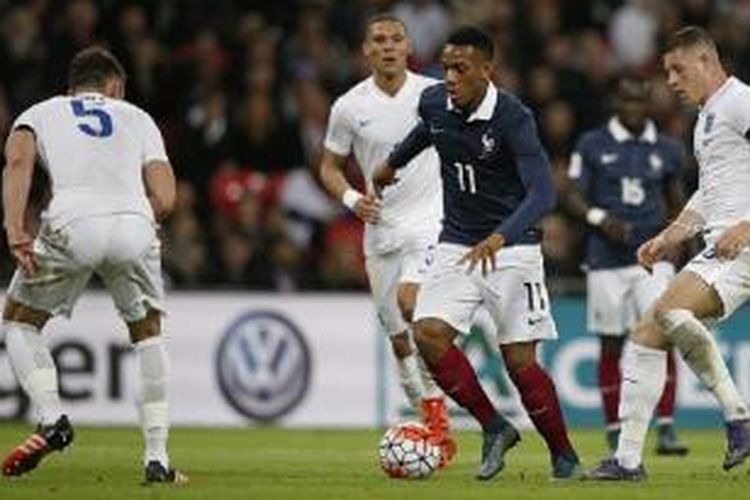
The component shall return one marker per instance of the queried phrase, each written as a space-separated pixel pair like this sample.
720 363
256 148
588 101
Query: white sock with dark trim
644 373
699 350
153 405
34 368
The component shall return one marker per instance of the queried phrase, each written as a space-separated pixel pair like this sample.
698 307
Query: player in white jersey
368 121
715 283
111 181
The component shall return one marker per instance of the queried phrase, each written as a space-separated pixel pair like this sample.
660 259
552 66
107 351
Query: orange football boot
435 416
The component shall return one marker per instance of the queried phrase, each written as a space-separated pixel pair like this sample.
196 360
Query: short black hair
689 37
92 67
474 37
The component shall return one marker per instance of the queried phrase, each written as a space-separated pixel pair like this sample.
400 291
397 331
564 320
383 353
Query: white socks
34 368
431 389
411 380
415 377
644 372
699 350
153 368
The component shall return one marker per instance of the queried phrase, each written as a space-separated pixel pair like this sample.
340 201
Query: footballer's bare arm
365 206
161 188
20 156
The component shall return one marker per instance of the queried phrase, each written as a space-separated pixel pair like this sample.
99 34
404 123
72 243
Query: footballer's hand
367 208
21 246
732 241
384 176
484 253
652 251
616 230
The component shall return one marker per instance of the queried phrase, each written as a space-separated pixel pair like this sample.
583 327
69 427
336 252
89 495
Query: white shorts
730 278
514 293
387 271
618 298
122 249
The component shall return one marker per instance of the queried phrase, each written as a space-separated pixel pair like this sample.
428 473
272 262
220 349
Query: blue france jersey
480 163
627 177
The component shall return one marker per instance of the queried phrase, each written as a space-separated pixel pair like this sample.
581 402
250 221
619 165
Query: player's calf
699 350
540 400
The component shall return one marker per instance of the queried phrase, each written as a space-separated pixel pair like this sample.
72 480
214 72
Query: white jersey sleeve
340 134
153 144
29 118
739 112
696 204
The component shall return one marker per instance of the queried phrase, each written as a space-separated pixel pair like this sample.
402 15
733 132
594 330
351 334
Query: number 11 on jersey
466 178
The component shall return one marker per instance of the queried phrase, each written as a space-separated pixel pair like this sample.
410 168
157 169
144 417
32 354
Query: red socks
540 400
456 377
665 408
609 386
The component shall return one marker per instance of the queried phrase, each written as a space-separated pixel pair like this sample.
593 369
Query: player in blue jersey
497 185
626 186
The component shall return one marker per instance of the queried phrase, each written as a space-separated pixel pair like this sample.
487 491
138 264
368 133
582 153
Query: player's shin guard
431 389
644 371
410 378
665 408
153 372
455 375
609 387
35 369
543 407
699 350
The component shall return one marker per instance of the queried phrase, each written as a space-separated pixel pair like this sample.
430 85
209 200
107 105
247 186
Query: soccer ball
406 452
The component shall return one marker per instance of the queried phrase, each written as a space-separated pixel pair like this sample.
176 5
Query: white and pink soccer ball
406 452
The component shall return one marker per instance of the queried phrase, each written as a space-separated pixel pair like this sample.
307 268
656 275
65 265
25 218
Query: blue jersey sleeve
415 142
535 173
579 168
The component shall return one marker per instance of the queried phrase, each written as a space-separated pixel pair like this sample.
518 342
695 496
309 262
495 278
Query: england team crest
709 124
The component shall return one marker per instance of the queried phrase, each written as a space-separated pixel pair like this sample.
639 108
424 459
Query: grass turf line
267 463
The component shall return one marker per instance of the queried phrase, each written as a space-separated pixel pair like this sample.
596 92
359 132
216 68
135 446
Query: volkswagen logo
263 365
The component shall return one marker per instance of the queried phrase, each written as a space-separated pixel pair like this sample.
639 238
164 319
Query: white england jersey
721 142
94 149
369 123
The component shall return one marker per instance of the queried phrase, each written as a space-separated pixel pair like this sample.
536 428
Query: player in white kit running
717 281
111 181
368 121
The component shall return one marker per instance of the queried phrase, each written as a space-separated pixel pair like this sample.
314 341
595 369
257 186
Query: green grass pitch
269 463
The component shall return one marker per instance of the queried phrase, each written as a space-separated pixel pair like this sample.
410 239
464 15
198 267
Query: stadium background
255 250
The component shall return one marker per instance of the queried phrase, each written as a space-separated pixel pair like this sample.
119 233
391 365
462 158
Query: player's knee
649 331
406 300
433 338
611 346
518 357
669 317
20 313
401 345
148 327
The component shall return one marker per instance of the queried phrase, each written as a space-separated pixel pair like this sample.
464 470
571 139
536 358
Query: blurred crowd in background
242 89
